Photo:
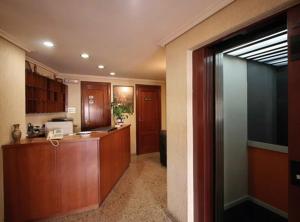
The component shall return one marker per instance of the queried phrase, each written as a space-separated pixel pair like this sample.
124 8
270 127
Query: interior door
95 105
148 118
294 110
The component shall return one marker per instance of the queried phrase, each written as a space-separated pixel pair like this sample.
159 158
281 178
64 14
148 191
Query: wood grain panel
114 159
203 131
79 175
268 175
95 105
30 183
148 118
294 110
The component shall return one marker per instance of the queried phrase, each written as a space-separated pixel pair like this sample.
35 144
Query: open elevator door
294 112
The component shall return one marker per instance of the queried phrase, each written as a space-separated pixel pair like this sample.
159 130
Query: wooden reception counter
43 181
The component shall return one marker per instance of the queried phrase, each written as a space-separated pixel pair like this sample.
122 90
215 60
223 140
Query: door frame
208 201
137 86
82 83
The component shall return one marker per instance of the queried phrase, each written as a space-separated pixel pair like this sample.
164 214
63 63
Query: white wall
235 129
12 98
74 99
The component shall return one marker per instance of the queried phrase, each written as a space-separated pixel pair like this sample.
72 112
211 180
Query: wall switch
72 110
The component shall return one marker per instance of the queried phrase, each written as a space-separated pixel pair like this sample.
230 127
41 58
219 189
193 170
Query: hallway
140 195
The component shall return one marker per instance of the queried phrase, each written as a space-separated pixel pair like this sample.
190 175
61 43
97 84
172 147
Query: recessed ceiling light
112 73
101 66
48 44
84 55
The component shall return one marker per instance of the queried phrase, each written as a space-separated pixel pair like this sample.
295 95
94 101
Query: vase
118 121
16 133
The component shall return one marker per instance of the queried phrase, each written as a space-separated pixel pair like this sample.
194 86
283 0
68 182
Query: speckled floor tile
140 195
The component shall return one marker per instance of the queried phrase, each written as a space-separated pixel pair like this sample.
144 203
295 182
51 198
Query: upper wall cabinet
44 95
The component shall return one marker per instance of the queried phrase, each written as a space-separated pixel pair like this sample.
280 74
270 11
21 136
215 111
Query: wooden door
203 134
294 110
148 118
95 105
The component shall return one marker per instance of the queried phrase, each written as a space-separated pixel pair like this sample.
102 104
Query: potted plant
121 112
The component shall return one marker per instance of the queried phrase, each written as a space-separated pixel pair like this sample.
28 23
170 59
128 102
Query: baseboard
269 207
236 202
259 203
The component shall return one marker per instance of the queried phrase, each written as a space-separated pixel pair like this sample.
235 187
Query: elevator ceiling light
259 57
278 61
271 49
273 57
255 41
260 45
267 53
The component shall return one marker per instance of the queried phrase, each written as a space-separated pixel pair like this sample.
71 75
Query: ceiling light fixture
48 44
256 46
84 55
112 73
264 50
101 66
255 41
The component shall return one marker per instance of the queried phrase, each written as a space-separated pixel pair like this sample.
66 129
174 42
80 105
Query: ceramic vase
16 133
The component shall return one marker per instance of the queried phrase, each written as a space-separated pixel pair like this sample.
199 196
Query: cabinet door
30 183
78 167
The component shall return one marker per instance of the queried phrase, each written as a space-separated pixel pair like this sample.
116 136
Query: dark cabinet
44 95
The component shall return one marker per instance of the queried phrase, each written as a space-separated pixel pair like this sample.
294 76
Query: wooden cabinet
30 179
44 95
114 159
79 175
41 181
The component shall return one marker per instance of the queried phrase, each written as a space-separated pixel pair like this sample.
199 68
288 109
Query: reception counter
43 181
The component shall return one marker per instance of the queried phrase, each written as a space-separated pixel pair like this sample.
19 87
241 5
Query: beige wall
12 97
179 85
74 99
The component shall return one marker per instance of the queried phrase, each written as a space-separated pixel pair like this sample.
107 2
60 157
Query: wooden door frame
82 83
137 86
208 126
203 134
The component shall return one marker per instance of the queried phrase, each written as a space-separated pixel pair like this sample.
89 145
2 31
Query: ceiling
271 49
124 35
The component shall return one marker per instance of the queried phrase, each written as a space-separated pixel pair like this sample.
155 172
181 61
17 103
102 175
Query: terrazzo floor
140 195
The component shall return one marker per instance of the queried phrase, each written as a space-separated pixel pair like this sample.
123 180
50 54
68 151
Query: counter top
95 135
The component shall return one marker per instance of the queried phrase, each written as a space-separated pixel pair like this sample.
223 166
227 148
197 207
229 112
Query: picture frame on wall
124 95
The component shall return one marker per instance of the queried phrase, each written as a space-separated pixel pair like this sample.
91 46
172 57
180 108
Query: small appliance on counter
63 123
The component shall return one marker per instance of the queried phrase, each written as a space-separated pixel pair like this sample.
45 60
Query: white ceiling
124 35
